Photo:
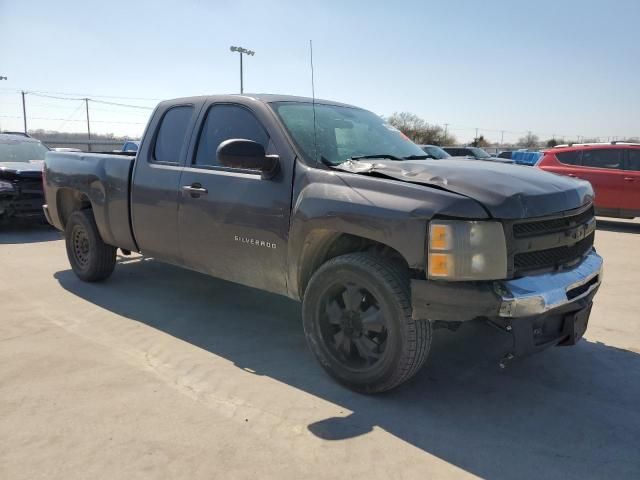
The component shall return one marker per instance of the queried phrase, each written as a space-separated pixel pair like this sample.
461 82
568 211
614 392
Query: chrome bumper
538 294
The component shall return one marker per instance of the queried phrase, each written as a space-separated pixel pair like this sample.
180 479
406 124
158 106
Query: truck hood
32 168
506 191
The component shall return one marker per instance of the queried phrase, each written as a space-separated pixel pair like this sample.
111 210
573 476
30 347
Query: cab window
172 134
224 122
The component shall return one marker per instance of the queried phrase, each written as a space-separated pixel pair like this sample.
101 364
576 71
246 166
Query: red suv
612 169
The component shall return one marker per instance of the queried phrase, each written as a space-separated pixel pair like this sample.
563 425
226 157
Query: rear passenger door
156 181
602 167
631 199
235 226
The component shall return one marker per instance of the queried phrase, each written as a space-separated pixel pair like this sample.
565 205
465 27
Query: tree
552 142
480 142
529 141
419 131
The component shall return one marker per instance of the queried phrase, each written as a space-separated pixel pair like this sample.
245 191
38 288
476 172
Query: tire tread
104 256
417 342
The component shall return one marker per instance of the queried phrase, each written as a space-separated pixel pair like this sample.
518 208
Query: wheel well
68 201
341 244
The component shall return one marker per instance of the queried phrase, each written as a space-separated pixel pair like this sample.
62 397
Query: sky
561 67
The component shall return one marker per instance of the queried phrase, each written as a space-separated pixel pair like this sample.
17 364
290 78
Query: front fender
389 212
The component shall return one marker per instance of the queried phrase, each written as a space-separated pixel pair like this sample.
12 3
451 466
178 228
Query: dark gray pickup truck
326 203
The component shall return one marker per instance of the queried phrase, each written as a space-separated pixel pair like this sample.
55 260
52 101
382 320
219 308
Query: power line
67 120
83 95
76 110
142 107
121 104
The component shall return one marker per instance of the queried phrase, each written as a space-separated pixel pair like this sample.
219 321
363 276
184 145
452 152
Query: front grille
549 243
552 257
527 229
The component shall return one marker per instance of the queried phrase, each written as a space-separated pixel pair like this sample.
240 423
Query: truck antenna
313 103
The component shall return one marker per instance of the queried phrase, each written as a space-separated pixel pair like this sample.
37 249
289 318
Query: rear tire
91 259
357 320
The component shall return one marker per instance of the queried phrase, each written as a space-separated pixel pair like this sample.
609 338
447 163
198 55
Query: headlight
466 250
6 187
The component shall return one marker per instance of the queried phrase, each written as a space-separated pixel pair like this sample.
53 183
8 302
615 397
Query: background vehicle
473 152
435 152
131 146
65 149
21 160
526 157
325 203
613 169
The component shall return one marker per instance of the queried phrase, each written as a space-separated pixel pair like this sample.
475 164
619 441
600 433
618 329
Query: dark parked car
435 152
21 161
327 204
473 152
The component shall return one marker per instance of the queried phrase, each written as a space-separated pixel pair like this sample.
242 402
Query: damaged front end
7 197
20 194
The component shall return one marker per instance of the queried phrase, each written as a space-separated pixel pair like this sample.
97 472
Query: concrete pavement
165 373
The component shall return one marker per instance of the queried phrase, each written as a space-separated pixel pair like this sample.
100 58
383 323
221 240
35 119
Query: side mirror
247 155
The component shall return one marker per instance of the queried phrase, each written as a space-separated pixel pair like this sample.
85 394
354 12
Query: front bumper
537 311
529 296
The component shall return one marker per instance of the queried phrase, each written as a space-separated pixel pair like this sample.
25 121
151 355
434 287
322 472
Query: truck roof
261 97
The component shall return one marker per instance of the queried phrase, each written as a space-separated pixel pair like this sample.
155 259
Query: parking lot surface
165 373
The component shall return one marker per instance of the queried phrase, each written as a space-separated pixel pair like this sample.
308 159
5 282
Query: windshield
479 153
343 133
435 152
20 151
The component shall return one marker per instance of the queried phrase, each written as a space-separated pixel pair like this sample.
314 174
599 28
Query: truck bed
102 179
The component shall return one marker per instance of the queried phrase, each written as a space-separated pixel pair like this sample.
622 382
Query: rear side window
172 134
634 159
569 158
225 122
604 158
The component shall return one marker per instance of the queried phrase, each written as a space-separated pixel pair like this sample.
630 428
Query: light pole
241 50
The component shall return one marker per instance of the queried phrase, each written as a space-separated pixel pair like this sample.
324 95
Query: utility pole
86 102
476 134
242 51
501 138
24 112
446 127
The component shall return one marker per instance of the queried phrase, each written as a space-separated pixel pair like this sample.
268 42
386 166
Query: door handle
195 189
629 179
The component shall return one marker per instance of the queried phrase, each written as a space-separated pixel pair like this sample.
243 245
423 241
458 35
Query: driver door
233 224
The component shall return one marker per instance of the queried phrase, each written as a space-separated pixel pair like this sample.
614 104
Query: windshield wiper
328 163
419 157
380 155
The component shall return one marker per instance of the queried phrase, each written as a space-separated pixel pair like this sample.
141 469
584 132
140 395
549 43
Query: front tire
91 259
357 320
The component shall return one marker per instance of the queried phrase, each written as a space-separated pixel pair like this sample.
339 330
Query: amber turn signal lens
440 238
440 265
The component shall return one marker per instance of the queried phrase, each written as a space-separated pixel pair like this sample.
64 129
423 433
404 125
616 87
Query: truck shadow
618 226
566 413
18 230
